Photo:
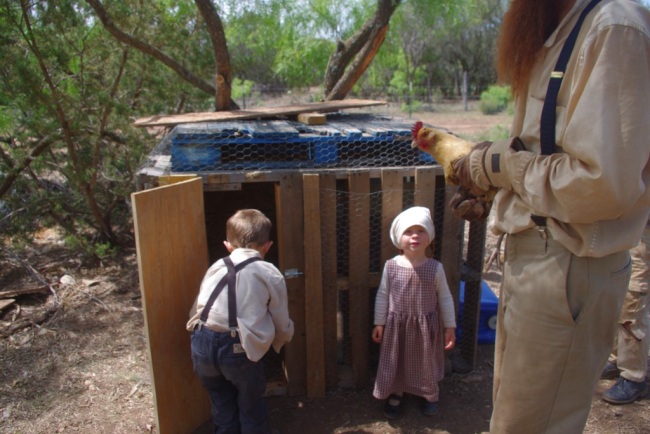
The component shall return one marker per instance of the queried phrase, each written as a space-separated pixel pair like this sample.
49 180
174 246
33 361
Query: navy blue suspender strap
548 120
230 280
232 295
547 128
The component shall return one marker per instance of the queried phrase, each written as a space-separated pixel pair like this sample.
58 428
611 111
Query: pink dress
411 358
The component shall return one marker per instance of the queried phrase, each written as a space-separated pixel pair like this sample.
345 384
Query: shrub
497 132
494 100
415 106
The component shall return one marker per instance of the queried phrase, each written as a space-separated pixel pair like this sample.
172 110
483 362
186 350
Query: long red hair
526 26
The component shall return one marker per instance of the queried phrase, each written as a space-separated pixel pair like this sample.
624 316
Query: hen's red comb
415 129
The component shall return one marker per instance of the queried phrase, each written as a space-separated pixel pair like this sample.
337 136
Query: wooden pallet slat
425 188
315 346
359 265
289 211
392 185
330 287
273 130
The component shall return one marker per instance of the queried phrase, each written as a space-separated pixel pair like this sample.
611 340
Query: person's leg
557 316
223 395
633 339
634 331
249 379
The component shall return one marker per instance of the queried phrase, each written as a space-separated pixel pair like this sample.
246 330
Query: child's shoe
429 408
391 408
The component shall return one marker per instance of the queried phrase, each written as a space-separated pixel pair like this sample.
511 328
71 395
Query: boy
229 339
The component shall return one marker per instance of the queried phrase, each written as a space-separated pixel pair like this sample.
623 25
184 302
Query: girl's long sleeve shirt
445 300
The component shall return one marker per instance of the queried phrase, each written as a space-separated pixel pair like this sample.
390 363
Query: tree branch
148 49
11 177
362 47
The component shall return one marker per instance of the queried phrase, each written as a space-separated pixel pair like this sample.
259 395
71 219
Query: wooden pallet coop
331 191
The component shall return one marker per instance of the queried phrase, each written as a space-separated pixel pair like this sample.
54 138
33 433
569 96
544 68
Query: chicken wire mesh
349 303
348 140
348 206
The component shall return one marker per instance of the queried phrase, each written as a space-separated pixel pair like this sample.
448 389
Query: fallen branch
34 272
38 319
18 292
6 303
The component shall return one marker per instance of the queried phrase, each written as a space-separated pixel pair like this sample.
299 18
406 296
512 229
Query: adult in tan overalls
574 197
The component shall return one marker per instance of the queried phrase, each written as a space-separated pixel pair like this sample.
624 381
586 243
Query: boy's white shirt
262 304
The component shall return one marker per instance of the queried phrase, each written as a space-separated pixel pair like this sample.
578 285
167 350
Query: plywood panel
289 209
172 259
315 345
359 210
392 186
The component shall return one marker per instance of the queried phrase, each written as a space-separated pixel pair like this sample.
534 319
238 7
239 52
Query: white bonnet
417 215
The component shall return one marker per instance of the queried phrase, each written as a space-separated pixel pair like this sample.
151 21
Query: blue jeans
235 384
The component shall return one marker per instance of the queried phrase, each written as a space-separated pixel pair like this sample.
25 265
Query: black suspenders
230 280
547 128
548 120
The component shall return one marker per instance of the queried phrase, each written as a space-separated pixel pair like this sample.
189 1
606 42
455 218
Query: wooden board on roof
263 112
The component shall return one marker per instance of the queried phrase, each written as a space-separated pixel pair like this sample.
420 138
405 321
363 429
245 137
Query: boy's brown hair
248 228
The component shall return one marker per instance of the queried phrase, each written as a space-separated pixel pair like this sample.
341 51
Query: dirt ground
74 357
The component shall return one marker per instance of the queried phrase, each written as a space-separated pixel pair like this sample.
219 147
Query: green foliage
495 99
303 63
98 250
242 88
412 107
495 133
71 93
437 42
399 84
6 121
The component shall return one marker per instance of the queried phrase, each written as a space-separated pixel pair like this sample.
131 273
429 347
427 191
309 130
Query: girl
412 305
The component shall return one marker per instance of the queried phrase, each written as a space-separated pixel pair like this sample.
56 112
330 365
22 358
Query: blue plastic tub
488 315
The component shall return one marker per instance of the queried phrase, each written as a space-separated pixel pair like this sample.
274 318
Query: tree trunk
223 78
357 52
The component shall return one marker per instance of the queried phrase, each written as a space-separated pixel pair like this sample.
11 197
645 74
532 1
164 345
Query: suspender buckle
233 332
541 225
542 232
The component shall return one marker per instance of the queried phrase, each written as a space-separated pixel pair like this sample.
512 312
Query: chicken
443 147
446 149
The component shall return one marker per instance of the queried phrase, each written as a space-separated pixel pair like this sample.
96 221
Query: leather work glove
480 173
484 167
468 207
471 162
